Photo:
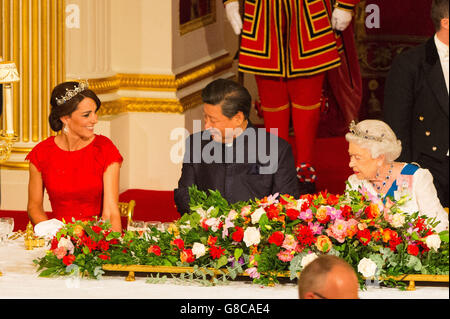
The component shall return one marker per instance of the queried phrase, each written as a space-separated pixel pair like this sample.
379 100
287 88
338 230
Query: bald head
328 277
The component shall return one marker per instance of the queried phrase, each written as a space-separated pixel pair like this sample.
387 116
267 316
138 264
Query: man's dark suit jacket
416 107
240 172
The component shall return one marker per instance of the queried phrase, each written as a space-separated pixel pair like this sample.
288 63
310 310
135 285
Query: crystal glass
6 228
137 225
154 224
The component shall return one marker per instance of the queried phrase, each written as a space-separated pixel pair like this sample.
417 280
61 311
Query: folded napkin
48 228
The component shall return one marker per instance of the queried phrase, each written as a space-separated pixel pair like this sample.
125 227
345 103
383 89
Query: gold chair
127 209
446 209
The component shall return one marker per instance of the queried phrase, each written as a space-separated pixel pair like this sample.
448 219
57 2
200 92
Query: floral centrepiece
265 237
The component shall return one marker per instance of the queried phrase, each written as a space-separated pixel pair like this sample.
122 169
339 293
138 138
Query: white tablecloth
21 281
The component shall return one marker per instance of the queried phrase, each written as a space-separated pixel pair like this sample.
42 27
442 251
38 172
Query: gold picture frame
195 14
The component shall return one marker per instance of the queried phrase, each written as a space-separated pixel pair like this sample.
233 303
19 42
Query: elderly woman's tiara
357 132
82 85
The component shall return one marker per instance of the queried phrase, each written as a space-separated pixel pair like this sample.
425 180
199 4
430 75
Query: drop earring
66 129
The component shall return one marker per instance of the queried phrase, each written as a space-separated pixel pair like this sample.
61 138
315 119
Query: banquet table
20 280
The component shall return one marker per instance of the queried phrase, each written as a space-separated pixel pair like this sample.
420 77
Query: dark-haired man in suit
416 102
232 156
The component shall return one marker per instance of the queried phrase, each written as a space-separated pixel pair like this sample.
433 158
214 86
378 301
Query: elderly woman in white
373 149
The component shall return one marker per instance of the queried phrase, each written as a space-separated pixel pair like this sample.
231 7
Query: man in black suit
416 102
232 156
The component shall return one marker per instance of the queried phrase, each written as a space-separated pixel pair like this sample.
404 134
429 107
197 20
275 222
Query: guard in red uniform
288 45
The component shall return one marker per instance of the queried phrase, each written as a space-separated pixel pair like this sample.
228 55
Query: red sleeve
38 154
33 158
348 5
110 152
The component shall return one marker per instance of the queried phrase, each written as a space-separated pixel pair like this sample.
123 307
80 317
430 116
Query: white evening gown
421 189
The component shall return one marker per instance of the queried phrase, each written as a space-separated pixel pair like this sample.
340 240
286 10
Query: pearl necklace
386 179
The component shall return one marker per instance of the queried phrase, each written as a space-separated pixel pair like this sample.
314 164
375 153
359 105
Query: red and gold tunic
289 38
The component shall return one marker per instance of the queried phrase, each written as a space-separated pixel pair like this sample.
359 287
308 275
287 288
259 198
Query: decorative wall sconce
8 75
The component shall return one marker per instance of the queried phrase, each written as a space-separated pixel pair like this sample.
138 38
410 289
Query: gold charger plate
132 269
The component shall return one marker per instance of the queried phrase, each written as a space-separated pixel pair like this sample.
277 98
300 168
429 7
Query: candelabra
8 75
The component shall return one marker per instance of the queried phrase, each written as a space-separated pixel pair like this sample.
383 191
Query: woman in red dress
79 169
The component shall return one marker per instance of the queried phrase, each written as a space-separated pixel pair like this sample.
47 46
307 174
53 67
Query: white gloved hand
340 19
233 16
48 228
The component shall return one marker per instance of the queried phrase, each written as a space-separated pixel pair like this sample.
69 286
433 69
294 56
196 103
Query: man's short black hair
232 96
439 11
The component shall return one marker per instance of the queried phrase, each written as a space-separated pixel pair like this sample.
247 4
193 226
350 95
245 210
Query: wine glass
153 224
137 225
6 228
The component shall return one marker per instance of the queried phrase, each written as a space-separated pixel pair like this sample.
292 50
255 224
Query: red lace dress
74 180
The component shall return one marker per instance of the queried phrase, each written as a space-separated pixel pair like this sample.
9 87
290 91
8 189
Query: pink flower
252 272
289 243
285 255
334 213
306 215
338 230
246 210
315 228
60 252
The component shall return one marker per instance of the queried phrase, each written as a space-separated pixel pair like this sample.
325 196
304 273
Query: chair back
127 209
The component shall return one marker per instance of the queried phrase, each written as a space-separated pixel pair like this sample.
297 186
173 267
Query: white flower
201 212
397 220
433 242
67 244
208 212
252 236
257 215
307 259
300 203
367 267
232 214
213 223
199 250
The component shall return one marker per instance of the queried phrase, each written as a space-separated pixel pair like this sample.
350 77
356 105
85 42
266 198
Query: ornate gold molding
22 166
153 105
156 82
105 85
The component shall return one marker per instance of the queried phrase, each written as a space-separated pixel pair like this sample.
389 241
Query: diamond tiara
355 131
82 85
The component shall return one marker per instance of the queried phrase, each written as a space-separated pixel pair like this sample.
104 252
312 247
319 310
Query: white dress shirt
443 56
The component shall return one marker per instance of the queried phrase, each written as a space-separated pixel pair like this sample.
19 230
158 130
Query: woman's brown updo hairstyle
68 107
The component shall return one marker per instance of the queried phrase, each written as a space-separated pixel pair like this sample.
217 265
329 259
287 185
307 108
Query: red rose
346 212
212 240
103 245
238 234
276 238
216 252
394 242
155 249
364 236
68 260
333 199
104 257
96 229
413 250
292 213
179 243
272 211
187 256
